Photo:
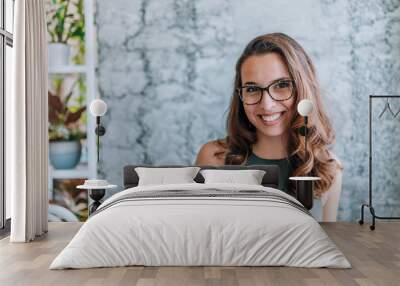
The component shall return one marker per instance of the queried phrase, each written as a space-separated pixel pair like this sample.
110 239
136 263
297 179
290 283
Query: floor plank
374 255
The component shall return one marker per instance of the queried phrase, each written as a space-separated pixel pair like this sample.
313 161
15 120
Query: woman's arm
333 196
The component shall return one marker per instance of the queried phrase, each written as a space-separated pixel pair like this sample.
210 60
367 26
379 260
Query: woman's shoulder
212 153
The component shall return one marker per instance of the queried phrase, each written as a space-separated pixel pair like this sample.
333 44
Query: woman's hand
212 153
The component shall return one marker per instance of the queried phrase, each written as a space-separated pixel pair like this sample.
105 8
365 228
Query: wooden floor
374 255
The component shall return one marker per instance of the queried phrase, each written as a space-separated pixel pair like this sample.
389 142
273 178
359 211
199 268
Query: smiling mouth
272 118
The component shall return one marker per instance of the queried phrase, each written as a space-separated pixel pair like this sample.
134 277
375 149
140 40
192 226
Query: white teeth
271 117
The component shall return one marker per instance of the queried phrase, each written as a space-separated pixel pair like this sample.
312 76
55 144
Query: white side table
304 190
96 193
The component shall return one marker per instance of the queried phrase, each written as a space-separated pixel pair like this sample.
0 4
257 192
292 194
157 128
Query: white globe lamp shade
98 107
305 107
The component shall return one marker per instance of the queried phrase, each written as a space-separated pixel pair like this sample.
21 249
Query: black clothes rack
369 205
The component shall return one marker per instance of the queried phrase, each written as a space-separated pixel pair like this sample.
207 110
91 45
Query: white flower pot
58 54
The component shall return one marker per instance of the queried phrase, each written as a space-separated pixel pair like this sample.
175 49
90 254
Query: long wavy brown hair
242 135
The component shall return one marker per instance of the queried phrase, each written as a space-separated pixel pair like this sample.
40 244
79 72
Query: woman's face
270 117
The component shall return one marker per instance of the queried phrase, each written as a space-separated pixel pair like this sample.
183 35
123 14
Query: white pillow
249 177
161 176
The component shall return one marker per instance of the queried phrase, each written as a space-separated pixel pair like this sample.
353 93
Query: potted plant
65 21
64 128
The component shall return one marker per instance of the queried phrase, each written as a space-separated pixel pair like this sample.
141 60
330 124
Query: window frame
6 39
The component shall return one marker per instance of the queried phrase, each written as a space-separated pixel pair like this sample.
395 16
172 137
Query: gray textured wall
166 70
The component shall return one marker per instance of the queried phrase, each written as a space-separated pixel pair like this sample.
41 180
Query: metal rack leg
374 216
361 221
372 210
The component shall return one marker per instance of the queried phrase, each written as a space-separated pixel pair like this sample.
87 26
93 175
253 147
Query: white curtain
26 124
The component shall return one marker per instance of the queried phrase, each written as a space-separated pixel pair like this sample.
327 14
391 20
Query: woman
272 75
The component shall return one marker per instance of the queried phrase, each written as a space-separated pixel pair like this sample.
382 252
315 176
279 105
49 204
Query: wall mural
165 69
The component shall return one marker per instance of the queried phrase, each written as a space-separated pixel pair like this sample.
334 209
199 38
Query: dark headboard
270 179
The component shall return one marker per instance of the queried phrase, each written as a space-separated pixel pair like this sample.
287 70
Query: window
6 44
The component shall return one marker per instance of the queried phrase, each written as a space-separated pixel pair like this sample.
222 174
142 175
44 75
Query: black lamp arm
305 138
303 132
100 131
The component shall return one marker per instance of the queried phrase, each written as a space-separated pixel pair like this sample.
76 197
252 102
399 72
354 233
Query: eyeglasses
280 90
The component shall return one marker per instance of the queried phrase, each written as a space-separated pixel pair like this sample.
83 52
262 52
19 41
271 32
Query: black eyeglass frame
262 89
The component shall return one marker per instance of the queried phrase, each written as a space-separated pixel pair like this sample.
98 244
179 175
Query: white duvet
200 231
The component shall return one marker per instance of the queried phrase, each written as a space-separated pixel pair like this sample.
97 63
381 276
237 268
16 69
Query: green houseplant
65 127
65 23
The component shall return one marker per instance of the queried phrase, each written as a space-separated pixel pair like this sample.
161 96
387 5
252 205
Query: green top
286 170
284 165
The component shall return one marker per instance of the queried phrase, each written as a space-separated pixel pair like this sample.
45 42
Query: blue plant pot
65 154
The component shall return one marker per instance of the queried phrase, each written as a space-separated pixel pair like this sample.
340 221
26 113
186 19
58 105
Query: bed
201 224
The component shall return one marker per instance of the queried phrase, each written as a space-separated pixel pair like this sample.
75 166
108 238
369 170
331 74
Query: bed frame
270 179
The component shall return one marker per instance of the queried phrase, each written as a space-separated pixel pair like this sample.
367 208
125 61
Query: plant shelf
68 69
81 171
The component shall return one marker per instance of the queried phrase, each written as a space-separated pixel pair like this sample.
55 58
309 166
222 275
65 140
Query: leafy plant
66 195
63 117
65 20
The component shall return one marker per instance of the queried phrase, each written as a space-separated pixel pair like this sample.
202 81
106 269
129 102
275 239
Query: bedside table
96 193
304 190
